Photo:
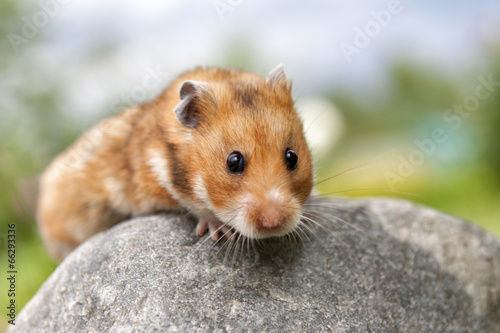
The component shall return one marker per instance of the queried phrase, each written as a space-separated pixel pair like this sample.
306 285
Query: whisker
359 167
337 219
327 206
314 120
226 247
301 232
241 241
235 239
248 245
210 237
237 249
331 232
216 231
315 223
364 189
356 168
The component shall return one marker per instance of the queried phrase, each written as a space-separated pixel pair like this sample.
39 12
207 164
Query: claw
215 228
201 227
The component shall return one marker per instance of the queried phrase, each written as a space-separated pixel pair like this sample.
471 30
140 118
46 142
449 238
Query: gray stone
375 265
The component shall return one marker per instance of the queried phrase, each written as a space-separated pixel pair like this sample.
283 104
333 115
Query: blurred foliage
465 182
28 117
460 177
491 126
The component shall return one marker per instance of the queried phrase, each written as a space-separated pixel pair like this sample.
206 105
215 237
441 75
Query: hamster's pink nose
270 218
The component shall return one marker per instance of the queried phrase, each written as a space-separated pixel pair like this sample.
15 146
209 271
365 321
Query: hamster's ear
277 78
188 110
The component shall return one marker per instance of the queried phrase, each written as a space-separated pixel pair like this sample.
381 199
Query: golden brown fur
145 160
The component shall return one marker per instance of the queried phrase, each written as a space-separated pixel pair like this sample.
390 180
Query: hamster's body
226 145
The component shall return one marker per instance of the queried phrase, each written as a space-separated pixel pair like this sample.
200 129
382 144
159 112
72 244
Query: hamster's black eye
291 159
235 162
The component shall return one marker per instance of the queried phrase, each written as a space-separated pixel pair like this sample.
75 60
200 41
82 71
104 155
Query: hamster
226 145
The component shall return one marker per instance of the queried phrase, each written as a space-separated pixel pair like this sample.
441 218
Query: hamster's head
245 151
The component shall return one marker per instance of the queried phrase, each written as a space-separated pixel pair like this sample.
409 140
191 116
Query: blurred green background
84 63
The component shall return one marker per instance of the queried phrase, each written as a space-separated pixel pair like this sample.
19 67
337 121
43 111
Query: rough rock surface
375 265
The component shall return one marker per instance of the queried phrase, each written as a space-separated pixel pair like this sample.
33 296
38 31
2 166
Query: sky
104 50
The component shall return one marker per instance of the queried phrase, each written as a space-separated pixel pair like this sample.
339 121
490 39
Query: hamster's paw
215 228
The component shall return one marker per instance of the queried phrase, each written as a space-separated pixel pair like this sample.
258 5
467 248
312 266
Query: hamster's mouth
274 214
250 229
262 228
